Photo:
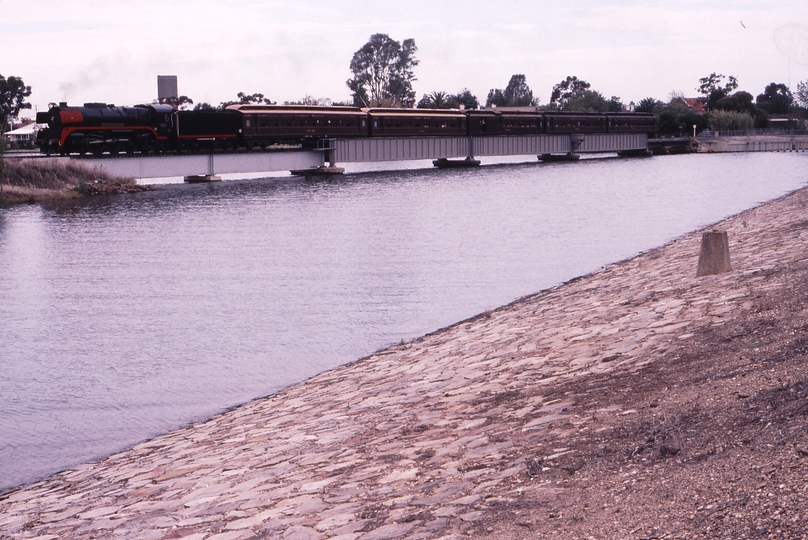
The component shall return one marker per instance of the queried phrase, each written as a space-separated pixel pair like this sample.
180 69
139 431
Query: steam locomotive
98 128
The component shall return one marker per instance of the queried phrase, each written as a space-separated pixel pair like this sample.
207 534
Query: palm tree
439 100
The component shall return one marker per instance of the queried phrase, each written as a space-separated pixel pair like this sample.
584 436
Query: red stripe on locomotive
71 117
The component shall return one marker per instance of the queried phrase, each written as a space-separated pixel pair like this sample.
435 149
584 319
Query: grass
35 180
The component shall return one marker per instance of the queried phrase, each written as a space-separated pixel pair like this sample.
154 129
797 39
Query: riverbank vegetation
29 180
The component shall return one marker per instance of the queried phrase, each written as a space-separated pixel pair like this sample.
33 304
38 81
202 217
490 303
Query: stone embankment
754 143
636 402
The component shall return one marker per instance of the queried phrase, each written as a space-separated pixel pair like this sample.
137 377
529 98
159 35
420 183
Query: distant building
25 134
695 104
167 87
786 121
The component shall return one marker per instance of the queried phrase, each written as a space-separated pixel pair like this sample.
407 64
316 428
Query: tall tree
516 94
571 88
311 101
248 99
801 95
737 102
496 97
180 103
676 118
383 72
435 100
776 98
712 82
257 99
466 98
443 100
12 99
592 101
614 104
649 105
710 86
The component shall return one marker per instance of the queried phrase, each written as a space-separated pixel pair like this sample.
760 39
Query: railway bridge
447 151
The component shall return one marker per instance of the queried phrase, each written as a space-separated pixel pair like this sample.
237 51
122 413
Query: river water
125 317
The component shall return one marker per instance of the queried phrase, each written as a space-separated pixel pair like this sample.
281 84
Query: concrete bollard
714 256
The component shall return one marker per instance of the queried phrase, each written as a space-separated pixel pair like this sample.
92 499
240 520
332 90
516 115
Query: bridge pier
445 163
559 157
326 146
322 171
635 153
201 178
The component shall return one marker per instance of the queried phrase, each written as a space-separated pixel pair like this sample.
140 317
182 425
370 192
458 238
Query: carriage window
248 122
364 123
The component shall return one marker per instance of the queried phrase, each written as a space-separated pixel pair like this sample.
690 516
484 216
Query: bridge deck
404 148
366 150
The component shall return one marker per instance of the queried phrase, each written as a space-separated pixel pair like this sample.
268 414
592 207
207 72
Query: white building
26 133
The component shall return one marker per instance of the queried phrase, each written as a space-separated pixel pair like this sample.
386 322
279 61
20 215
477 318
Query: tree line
727 108
383 71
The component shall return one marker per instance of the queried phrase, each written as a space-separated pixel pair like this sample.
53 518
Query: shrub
730 121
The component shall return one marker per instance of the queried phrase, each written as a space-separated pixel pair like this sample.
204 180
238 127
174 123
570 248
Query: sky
113 50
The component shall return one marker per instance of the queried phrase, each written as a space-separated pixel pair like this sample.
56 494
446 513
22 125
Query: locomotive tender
98 128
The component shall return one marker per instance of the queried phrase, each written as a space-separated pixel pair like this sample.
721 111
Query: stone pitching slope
422 440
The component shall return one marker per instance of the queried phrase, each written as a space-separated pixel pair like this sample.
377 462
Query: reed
34 180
